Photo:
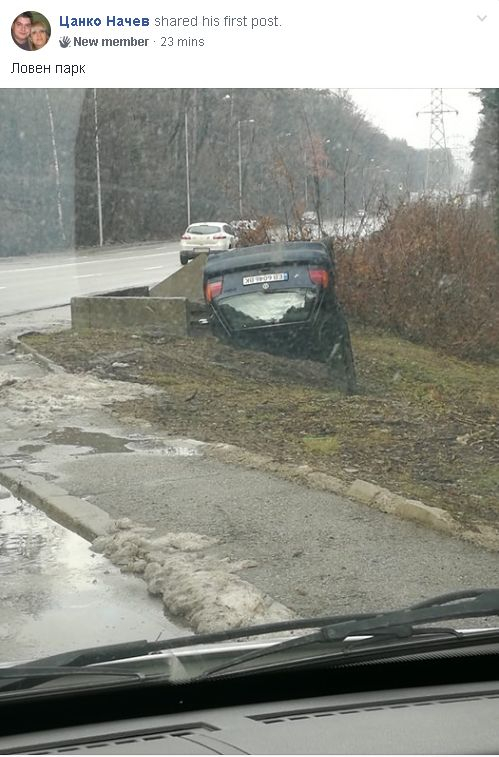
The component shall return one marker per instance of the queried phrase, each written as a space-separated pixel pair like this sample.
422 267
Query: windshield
159 479
266 308
203 229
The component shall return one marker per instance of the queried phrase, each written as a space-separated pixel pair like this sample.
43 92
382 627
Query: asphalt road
42 281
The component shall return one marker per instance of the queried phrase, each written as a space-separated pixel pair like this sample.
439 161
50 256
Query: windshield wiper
130 649
21 677
479 603
384 627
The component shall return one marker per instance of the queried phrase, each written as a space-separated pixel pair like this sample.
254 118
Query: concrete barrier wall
170 314
187 282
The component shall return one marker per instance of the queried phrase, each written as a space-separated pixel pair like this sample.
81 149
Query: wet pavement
57 595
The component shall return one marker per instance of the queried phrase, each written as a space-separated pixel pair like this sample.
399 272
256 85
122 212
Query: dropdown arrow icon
481 18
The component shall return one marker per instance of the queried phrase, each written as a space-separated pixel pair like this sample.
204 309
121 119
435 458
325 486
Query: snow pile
43 398
193 584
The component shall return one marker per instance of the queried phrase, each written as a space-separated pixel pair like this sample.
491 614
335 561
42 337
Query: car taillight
186 236
220 236
213 289
319 276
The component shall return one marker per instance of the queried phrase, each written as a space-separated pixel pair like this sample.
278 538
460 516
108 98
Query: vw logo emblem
266 285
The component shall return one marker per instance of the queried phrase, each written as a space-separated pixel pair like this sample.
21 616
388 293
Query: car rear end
202 238
270 296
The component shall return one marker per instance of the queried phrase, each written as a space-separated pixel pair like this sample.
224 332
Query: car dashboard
396 722
427 703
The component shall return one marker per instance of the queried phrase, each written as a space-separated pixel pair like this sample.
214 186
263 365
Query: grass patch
322 445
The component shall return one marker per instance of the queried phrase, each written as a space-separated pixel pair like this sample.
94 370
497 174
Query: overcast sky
394 111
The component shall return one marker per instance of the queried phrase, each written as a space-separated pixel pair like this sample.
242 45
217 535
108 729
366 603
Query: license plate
263 278
199 249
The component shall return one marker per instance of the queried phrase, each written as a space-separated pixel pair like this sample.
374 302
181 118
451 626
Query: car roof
278 253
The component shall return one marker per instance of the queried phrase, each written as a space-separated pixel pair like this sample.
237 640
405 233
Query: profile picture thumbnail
30 30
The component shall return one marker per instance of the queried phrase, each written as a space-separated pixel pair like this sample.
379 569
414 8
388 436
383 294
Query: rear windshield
206 229
262 308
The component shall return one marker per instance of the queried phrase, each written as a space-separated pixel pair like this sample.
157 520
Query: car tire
183 258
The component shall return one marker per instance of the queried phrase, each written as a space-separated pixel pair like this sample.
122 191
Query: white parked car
210 236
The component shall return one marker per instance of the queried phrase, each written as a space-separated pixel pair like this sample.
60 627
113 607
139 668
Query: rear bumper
193 249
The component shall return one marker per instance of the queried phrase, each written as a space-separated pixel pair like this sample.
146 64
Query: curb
28 350
85 519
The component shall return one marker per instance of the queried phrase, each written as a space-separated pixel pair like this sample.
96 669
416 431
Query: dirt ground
423 424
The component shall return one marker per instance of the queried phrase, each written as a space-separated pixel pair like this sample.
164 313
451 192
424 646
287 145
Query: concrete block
363 491
325 482
387 501
186 282
80 313
413 509
170 315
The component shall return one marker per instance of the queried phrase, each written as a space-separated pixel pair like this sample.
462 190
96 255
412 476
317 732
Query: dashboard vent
115 739
290 716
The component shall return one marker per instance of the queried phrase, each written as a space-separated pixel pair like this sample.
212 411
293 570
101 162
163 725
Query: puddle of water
171 448
96 441
25 534
99 442
56 594
29 448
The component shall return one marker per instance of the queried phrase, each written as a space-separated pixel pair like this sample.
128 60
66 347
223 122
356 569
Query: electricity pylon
438 164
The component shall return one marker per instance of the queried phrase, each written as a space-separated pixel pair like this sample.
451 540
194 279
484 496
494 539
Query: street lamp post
240 161
97 165
187 175
56 167
306 178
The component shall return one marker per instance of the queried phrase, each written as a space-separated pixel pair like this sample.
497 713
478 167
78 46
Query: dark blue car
281 298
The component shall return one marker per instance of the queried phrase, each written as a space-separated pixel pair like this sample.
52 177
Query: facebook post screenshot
249 377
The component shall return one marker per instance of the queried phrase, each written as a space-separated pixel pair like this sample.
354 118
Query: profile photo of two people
30 30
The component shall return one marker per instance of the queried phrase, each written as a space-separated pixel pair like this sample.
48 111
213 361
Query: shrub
261 232
431 274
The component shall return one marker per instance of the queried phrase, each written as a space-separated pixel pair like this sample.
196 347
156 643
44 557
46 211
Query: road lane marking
86 275
88 262
153 267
